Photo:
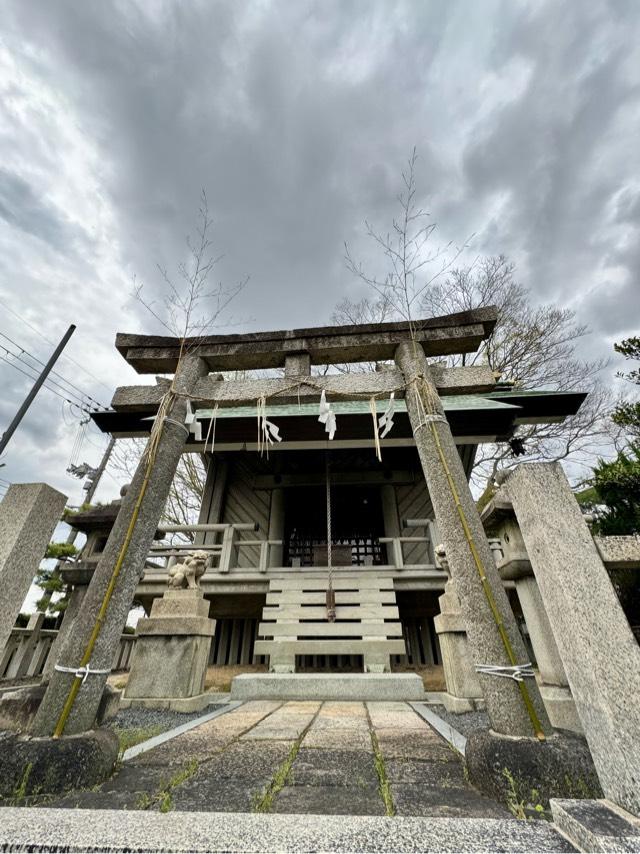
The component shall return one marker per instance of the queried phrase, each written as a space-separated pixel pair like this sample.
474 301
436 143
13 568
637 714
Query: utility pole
95 480
8 433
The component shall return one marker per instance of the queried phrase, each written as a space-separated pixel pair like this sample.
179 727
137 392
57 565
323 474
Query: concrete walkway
328 758
294 776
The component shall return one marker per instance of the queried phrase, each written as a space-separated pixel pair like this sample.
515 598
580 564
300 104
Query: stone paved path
299 757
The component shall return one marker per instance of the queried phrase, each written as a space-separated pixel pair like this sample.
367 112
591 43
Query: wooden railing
396 548
224 553
27 651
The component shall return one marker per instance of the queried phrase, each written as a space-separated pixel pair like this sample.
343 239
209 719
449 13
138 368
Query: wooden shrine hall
314 481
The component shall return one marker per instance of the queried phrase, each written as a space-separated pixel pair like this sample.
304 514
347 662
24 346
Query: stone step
294 621
46 829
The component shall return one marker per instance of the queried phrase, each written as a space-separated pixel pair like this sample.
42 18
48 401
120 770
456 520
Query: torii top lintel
462 332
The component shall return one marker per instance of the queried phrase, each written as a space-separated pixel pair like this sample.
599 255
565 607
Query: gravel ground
143 718
464 723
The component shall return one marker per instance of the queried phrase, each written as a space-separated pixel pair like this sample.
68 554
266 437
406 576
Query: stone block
29 513
109 705
18 707
560 707
171 654
174 626
458 705
596 825
180 603
174 704
327 686
168 666
619 552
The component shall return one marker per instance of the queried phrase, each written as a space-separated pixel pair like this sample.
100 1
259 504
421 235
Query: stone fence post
29 513
514 565
598 651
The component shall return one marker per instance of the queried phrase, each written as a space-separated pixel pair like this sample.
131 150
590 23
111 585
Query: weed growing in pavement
164 795
384 786
264 800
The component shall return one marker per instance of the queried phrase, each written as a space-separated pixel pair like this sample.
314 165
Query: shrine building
313 481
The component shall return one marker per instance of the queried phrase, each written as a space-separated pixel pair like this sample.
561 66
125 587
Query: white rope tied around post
81 672
517 672
178 424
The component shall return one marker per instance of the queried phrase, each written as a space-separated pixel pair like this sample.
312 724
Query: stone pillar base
172 651
528 771
459 705
174 704
561 707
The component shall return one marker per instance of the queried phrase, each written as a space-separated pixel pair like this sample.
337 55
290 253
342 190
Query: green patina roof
352 407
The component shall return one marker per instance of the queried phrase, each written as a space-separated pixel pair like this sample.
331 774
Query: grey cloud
22 207
296 117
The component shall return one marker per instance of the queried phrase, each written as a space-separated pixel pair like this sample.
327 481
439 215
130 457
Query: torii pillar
445 479
171 445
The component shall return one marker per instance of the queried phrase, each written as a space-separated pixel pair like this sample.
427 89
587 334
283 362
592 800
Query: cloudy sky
296 118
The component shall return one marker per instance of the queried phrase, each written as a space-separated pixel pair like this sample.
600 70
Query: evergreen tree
49 580
617 493
614 490
627 413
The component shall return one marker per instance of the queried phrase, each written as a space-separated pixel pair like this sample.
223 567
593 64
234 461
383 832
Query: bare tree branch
414 265
190 307
531 347
185 495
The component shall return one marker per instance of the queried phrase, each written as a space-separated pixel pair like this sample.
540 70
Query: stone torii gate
515 708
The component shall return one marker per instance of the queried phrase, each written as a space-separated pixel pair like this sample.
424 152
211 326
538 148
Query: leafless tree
189 307
185 496
531 347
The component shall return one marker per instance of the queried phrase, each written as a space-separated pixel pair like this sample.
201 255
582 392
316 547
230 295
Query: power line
44 338
78 401
56 373
77 395
31 377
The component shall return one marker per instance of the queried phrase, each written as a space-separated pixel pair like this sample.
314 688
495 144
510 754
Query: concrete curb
157 740
455 738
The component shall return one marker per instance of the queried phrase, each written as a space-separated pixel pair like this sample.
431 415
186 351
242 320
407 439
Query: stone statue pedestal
171 654
464 693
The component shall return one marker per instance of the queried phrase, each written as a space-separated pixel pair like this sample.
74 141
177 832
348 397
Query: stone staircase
294 619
